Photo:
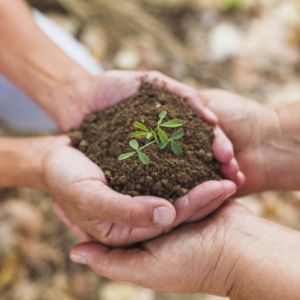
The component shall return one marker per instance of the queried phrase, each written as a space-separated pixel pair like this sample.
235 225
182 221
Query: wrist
67 98
265 267
268 150
231 239
256 158
22 160
281 148
44 149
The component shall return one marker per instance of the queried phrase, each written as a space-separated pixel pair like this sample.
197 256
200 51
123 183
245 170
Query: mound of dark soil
104 135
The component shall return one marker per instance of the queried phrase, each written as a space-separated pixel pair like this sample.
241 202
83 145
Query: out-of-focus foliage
230 3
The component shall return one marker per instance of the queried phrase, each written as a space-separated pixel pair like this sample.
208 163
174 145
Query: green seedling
155 136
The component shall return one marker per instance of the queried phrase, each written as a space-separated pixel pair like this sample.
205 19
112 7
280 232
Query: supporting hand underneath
232 253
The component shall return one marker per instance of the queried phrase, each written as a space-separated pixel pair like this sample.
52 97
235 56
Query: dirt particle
183 191
82 145
149 179
134 193
208 158
108 174
139 187
157 186
201 153
183 178
165 182
123 179
76 137
91 118
142 179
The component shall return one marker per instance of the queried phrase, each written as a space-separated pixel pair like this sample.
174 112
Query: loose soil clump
104 135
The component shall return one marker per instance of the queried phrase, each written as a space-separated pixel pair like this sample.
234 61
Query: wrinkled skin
253 129
231 253
195 257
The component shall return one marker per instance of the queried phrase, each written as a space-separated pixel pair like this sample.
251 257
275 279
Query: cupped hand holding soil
104 135
91 207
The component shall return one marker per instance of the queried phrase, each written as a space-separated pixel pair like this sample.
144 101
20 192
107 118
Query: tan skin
231 247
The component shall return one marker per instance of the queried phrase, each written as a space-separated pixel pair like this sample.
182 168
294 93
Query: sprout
157 136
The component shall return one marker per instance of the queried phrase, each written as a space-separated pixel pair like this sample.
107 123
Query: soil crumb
104 135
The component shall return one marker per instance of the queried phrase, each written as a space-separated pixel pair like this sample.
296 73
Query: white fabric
16 109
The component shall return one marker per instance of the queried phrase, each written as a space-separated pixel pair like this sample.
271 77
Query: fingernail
217 131
162 216
229 187
209 114
234 163
240 179
78 258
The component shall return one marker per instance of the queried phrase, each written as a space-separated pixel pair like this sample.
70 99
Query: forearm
38 66
269 266
282 149
21 161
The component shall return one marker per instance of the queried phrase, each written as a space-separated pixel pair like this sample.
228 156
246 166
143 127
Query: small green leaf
144 158
138 133
162 115
177 135
149 136
134 144
125 155
163 136
140 126
176 148
173 123
155 136
162 146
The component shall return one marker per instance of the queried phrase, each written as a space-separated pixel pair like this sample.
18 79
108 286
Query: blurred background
250 47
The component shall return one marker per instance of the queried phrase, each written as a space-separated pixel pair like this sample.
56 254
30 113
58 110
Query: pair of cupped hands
175 248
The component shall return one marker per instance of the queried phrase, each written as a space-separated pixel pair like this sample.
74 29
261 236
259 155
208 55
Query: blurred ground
247 46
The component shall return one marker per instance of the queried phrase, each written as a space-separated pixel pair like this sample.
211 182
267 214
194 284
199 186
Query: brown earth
104 135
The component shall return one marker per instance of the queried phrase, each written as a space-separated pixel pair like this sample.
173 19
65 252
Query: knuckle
136 214
130 218
109 240
116 237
